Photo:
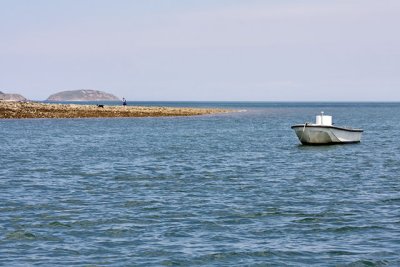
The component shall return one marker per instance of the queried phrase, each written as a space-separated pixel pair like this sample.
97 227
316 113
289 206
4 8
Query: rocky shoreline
22 110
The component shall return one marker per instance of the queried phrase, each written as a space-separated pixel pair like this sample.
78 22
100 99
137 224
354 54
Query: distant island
11 97
82 95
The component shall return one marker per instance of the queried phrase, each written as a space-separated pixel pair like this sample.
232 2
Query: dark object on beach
123 101
100 106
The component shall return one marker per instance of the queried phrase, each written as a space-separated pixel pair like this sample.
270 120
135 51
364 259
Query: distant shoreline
31 110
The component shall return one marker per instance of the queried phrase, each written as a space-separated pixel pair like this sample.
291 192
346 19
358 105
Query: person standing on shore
123 101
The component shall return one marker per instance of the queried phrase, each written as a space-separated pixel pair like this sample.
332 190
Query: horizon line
237 101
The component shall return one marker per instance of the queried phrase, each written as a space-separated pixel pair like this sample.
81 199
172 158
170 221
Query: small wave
308 220
21 235
59 224
391 200
362 263
353 228
234 254
341 253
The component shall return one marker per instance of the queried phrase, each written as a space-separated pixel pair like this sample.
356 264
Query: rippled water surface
219 190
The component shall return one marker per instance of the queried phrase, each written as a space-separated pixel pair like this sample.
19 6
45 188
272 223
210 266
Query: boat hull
324 134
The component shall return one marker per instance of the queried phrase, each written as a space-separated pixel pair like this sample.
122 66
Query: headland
24 110
82 95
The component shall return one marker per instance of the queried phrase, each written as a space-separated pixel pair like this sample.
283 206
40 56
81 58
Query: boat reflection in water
322 132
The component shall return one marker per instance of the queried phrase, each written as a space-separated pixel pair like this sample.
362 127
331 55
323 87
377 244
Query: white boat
323 132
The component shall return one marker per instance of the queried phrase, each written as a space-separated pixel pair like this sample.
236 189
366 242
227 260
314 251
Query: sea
234 189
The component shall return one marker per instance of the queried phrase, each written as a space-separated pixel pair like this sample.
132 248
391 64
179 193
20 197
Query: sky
203 50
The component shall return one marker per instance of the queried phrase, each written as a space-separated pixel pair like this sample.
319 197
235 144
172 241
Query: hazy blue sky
245 50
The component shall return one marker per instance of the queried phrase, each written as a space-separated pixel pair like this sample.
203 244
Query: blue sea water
232 189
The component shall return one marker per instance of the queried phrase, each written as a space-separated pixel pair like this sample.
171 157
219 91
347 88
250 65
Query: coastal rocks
11 97
19 110
82 95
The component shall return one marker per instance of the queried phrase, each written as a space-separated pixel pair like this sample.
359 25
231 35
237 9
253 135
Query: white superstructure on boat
324 132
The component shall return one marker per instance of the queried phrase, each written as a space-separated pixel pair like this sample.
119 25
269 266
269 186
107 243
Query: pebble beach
23 110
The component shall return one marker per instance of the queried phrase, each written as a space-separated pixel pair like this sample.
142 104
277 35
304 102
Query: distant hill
11 97
82 95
